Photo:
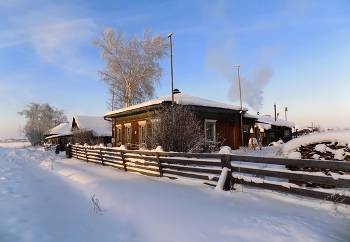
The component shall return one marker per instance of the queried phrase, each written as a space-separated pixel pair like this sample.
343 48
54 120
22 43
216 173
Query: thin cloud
56 37
61 38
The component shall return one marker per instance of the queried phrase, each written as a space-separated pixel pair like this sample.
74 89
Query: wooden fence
208 167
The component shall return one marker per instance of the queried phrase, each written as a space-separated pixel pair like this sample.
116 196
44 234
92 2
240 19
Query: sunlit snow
47 197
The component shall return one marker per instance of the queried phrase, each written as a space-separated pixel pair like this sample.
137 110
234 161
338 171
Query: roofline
158 105
133 111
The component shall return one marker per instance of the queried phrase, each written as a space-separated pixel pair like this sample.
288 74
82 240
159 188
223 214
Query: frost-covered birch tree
132 65
40 119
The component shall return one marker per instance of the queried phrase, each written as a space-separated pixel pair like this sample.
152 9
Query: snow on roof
180 98
59 135
301 127
264 126
341 136
100 126
270 120
60 129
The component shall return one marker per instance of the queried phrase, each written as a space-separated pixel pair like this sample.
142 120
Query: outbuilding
59 135
274 130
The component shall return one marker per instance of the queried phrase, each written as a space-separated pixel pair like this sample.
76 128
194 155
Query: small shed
301 130
274 130
59 135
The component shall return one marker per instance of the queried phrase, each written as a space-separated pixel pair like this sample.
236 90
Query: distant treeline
13 140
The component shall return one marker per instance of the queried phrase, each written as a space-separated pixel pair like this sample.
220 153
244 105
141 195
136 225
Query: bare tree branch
131 65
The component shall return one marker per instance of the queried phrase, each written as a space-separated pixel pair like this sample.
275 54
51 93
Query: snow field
47 197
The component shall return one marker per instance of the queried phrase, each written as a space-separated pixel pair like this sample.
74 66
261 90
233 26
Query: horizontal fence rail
242 169
245 173
168 164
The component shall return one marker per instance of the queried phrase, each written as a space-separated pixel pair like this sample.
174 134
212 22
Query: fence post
159 165
87 160
123 158
101 156
68 151
226 162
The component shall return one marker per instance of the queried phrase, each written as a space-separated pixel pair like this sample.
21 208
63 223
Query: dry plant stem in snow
96 206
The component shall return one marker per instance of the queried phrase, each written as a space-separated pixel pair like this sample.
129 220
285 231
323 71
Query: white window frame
128 133
118 133
211 121
142 124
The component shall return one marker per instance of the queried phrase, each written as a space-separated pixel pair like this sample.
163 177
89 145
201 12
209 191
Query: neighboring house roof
179 98
270 120
99 125
60 130
301 127
264 126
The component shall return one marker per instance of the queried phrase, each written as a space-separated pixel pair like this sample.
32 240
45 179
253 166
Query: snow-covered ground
47 197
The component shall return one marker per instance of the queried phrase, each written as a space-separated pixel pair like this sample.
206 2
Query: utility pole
171 64
274 106
240 99
285 111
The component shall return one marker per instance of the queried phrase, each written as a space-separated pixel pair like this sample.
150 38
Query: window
272 135
210 129
118 133
246 129
287 133
127 133
142 132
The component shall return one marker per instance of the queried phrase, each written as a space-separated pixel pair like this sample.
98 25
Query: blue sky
292 53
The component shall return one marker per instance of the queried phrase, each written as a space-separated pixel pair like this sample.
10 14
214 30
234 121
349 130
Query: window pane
143 136
128 135
245 128
210 131
119 135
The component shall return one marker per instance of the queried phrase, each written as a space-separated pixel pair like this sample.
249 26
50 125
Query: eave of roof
179 98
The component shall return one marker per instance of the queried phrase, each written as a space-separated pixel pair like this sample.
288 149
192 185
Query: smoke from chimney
252 84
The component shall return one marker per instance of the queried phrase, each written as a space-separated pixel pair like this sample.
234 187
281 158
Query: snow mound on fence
225 150
159 149
341 137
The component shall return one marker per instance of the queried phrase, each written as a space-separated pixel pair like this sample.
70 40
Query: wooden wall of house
229 131
134 134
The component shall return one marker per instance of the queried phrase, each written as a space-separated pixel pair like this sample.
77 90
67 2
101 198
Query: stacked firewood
310 152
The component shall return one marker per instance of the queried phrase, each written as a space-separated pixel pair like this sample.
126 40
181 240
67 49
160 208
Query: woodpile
308 151
311 152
